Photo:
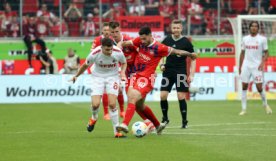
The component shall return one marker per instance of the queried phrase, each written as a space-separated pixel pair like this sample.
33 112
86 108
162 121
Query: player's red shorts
143 84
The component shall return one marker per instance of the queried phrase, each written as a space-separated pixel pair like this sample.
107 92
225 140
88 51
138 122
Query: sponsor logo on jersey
144 57
255 47
107 65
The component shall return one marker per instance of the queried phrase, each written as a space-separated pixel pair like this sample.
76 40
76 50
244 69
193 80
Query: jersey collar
152 42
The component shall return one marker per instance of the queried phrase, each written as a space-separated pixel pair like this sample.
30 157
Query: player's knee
260 89
95 106
112 105
244 86
181 96
163 97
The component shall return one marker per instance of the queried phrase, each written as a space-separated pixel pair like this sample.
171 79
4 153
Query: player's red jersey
97 42
149 56
130 53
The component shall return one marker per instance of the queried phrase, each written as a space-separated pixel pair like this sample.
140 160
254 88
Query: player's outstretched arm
83 67
126 43
241 60
183 53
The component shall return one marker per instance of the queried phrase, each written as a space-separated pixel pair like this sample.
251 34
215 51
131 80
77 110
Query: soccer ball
139 129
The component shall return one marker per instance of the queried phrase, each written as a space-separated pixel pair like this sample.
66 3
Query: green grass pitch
57 132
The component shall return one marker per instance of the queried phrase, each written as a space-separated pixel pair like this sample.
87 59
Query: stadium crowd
81 17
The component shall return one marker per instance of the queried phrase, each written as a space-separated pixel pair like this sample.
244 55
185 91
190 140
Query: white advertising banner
56 88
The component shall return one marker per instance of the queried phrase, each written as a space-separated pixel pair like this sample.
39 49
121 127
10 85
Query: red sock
121 102
150 115
141 114
105 103
129 113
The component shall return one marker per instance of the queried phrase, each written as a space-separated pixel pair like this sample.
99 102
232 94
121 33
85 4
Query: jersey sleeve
122 58
90 59
136 42
164 50
265 47
190 47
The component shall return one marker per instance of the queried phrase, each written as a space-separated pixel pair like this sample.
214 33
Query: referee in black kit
175 72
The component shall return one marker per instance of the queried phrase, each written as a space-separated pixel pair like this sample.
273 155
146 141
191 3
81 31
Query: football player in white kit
253 56
106 59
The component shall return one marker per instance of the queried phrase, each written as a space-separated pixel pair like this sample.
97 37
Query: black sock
164 108
183 110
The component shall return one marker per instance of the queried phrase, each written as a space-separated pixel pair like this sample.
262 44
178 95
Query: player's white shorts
246 73
102 84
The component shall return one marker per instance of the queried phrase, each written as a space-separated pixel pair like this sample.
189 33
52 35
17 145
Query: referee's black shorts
173 77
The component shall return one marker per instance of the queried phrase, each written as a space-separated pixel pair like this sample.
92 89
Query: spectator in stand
195 10
71 62
44 12
152 7
79 4
272 7
8 13
55 29
96 19
238 6
117 10
135 9
6 19
166 10
30 36
43 25
51 64
2 20
88 26
73 17
13 28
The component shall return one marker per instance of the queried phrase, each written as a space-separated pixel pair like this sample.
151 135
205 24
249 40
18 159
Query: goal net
240 26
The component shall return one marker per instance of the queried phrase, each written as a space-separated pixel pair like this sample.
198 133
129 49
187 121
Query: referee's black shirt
174 62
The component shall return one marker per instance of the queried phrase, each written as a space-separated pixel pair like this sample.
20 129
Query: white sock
114 117
95 113
263 98
243 99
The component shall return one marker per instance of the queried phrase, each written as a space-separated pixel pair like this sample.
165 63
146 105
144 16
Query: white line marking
210 134
221 124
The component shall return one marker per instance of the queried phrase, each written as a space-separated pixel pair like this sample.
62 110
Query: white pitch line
210 134
221 124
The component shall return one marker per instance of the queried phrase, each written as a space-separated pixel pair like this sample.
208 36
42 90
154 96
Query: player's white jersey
105 66
254 48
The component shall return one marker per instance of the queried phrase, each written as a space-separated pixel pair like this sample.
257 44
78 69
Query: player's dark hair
177 22
107 42
145 31
105 24
114 24
251 23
